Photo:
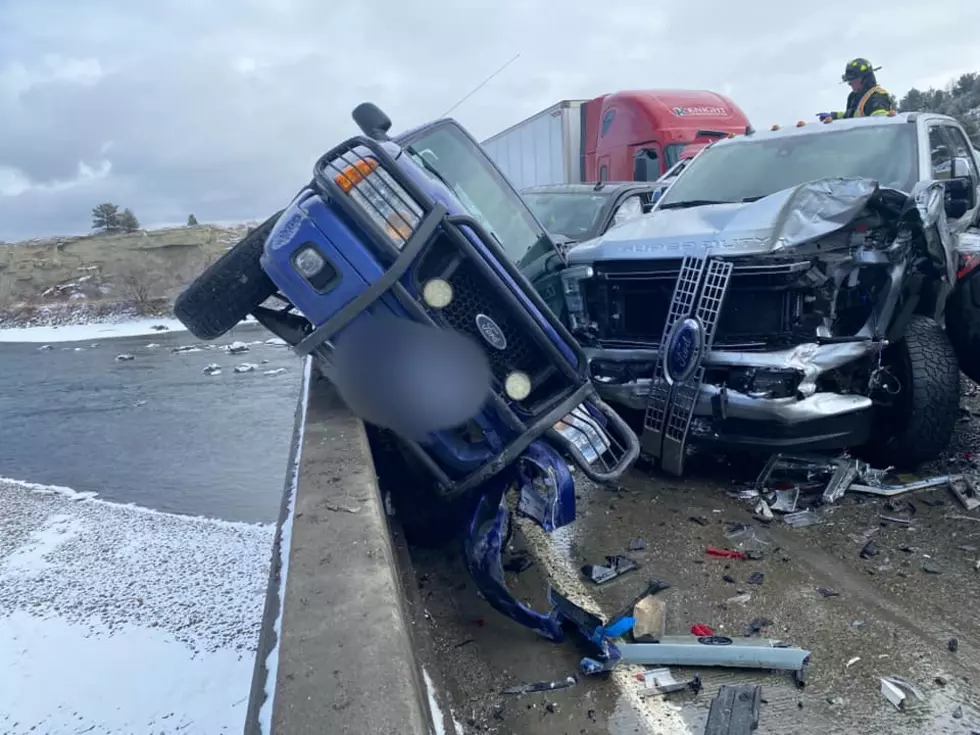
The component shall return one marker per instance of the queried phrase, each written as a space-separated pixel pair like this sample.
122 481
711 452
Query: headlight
437 293
517 386
383 200
309 262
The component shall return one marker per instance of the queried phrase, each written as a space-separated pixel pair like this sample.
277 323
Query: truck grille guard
623 445
689 332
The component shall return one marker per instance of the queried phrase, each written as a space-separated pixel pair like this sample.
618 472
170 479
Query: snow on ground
79 332
117 619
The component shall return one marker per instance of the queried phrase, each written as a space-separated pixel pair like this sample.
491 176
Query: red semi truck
623 136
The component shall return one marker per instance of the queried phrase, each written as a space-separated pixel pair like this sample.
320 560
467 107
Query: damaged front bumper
766 400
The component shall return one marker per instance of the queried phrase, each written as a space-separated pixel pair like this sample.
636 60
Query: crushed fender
547 496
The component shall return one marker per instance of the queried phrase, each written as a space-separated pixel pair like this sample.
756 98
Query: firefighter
866 97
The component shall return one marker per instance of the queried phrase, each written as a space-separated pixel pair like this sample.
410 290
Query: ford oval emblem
684 348
491 333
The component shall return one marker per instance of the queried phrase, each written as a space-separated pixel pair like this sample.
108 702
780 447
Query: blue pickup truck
424 228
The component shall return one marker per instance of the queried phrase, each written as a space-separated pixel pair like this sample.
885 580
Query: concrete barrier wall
344 660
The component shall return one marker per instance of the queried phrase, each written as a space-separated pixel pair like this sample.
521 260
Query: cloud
184 106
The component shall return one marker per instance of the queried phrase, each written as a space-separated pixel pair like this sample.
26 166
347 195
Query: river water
155 430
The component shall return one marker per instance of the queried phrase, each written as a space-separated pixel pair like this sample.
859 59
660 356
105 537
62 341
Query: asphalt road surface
894 614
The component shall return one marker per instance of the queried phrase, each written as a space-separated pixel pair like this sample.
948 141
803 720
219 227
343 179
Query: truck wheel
918 427
963 325
230 288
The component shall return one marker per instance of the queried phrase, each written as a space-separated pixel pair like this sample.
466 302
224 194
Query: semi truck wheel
230 288
918 427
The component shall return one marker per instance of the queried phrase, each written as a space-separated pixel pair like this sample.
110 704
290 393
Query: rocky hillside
42 280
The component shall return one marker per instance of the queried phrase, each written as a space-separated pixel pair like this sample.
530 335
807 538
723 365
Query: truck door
953 159
647 162
603 165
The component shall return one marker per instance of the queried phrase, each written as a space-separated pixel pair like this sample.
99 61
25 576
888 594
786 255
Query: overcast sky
220 107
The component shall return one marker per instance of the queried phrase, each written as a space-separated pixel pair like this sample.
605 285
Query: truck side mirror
960 169
372 121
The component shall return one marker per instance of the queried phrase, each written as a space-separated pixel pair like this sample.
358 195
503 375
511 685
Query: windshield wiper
691 203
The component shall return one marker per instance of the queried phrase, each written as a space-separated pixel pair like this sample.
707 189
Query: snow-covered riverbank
98 330
119 619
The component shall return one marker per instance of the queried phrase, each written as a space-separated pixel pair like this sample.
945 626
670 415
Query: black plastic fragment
615 566
735 711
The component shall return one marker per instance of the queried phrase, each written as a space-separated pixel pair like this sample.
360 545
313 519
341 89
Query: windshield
751 170
465 169
571 214
672 153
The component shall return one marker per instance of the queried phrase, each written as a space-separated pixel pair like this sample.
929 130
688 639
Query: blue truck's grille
472 296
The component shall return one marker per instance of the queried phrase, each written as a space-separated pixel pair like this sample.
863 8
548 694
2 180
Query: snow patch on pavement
119 619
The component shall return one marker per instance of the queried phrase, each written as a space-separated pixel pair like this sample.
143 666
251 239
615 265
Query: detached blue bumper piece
548 498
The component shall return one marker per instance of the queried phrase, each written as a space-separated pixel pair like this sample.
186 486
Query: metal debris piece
735 710
541 686
898 691
851 662
757 578
889 491
953 645
931 569
748 538
739 599
615 566
786 500
637 544
802 518
763 511
657 682
749 493
893 519
715 651
965 491
826 592
845 474
699 520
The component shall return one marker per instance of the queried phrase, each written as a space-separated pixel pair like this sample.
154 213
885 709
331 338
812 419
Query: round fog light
517 386
437 293
309 262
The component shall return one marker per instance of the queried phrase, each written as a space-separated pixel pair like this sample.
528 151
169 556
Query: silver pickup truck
808 288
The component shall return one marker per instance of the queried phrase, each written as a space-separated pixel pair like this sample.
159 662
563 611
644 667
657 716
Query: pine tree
106 217
128 221
191 221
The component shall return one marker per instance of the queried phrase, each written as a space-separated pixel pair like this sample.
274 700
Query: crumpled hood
781 220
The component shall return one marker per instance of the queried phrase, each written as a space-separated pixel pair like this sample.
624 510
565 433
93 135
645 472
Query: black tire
963 325
920 425
230 288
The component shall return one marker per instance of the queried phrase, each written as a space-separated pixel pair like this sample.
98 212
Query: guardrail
335 654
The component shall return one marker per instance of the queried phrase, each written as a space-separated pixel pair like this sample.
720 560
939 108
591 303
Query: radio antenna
481 85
